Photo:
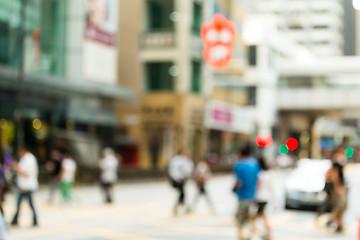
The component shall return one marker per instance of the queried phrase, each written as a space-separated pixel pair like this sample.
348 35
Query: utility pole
20 79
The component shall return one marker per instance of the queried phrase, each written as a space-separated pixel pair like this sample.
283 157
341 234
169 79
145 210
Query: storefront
168 123
228 125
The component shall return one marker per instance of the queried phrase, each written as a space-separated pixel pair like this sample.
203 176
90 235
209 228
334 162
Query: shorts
260 206
242 214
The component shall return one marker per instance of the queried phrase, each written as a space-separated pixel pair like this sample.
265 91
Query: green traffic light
349 152
283 149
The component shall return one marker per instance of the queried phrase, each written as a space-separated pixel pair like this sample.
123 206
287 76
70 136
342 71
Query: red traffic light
292 144
264 140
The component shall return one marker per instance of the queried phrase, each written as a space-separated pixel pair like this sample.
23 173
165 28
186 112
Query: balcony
158 40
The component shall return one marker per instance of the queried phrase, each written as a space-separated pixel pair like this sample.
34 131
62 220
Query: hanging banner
99 47
218 37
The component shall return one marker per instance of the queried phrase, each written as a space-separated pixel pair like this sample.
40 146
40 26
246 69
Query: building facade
318 24
70 84
161 59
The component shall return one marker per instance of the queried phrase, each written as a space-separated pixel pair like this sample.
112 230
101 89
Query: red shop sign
218 37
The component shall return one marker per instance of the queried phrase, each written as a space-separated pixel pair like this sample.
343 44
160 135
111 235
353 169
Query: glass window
251 95
44 40
252 58
158 76
5 50
196 77
197 17
159 14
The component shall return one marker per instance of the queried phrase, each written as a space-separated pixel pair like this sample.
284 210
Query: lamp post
20 79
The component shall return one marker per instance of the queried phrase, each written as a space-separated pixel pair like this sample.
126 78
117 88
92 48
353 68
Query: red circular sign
264 140
292 144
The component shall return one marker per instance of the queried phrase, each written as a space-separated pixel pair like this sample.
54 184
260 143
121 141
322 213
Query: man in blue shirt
246 172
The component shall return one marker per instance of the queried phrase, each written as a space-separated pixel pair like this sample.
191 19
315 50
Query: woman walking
108 165
263 194
339 200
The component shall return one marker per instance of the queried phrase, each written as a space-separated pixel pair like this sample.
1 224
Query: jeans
21 196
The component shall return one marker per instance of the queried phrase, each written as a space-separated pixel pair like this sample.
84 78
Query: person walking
3 227
67 177
180 170
54 166
108 165
326 206
6 167
264 193
202 174
246 172
338 198
27 180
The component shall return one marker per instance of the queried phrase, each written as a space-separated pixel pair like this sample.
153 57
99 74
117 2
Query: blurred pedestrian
180 170
67 177
27 180
339 156
108 164
264 193
4 184
3 227
246 172
54 167
202 174
338 197
326 206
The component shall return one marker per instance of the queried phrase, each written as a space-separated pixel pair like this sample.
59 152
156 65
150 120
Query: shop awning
63 86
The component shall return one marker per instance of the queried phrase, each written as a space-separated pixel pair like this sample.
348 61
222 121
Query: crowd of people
22 177
253 186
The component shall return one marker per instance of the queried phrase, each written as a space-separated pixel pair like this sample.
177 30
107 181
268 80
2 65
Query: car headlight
321 196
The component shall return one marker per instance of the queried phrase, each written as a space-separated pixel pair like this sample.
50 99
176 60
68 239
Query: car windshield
311 168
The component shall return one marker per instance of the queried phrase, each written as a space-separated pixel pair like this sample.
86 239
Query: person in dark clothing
54 166
5 166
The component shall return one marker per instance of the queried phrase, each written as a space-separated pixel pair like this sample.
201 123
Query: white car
305 185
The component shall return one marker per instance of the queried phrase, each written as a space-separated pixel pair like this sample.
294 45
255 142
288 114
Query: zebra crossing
143 212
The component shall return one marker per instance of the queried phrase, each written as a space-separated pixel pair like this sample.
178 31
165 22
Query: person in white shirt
108 165
180 169
67 176
202 174
264 193
27 170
